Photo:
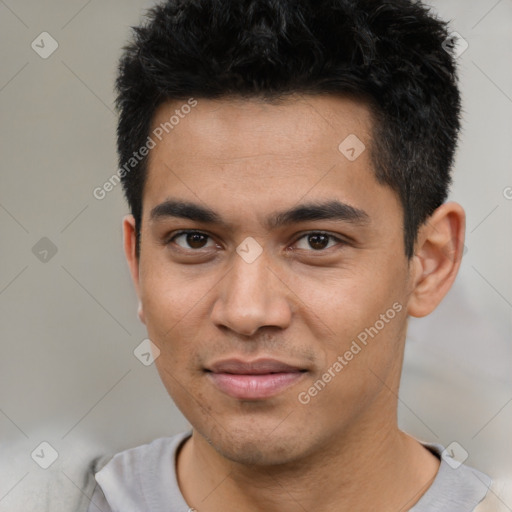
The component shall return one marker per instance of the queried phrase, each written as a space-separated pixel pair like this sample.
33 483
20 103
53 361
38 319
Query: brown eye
192 239
196 240
318 241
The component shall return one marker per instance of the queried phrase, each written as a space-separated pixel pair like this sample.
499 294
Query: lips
258 367
253 380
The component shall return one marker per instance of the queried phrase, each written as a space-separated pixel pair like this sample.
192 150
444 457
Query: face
272 274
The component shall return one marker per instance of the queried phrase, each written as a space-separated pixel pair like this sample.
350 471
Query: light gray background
68 375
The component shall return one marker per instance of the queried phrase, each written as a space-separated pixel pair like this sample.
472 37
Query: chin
256 452
257 446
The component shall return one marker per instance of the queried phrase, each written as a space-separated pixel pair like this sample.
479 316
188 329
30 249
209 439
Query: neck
355 470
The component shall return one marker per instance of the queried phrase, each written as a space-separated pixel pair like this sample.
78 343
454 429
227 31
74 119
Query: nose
250 296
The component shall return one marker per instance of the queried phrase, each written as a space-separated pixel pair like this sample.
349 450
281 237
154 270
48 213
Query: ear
130 243
437 257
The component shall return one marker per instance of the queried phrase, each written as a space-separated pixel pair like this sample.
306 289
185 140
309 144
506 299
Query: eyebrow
313 211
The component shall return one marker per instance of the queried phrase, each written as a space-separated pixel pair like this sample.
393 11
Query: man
287 166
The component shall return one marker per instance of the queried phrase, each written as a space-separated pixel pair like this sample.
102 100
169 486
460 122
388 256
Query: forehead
239 156
231 128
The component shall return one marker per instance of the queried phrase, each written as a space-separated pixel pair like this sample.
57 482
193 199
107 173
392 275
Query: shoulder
130 479
125 465
456 486
89 486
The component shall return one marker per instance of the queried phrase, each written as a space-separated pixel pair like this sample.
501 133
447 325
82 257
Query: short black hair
392 53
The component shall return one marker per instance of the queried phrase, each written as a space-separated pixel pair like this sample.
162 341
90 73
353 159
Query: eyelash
304 235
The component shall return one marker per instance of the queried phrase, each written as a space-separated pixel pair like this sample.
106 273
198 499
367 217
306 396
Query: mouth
253 380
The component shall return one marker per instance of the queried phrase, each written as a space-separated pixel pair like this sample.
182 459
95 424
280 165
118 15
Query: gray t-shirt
144 479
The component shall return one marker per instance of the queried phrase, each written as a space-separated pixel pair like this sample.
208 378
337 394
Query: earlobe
437 258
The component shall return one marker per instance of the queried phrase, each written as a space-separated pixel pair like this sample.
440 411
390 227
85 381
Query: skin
304 305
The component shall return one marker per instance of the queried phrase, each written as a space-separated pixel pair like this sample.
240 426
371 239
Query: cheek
169 296
359 315
171 308
346 301
357 372
186 392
